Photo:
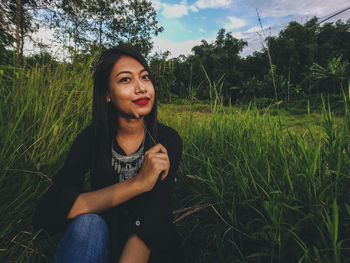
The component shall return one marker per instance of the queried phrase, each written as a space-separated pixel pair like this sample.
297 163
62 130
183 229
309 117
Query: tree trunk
100 45
75 36
18 38
22 40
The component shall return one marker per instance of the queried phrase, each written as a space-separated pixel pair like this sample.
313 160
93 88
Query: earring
108 99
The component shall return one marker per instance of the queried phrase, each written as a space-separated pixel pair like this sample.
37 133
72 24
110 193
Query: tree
333 40
294 49
96 24
6 37
299 48
17 23
163 73
218 59
331 78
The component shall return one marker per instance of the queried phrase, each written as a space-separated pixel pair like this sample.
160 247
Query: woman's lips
141 101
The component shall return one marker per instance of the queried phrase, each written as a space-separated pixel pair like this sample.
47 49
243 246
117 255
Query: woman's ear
108 98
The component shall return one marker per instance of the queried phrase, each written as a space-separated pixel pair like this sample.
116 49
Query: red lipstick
142 101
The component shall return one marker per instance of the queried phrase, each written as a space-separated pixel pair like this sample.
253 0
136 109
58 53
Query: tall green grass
271 193
42 110
275 194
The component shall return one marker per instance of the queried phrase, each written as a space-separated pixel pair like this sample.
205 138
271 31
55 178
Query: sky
187 22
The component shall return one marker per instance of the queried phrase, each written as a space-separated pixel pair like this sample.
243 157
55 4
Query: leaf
335 220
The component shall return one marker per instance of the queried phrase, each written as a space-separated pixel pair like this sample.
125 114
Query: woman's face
130 89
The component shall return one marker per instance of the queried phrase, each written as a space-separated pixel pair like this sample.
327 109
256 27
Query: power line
334 15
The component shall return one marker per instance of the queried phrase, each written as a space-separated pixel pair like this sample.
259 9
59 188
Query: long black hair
105 115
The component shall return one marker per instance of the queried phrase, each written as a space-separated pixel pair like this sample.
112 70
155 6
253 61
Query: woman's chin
138 113
141 110
141 114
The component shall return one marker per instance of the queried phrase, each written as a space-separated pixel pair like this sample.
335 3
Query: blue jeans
85 240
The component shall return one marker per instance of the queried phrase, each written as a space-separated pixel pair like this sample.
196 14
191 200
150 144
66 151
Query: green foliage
114 22
186 77
218 59
294 49
333 40
82 27
17 23
332 77
42 110
6 19
164 76
255 88
300 51
215 94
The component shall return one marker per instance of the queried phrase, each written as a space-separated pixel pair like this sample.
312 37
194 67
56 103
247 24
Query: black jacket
148 215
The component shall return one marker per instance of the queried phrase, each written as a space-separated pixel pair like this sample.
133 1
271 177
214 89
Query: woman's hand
155 162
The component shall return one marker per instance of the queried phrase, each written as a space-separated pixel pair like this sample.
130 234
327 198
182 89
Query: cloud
280 8
201 30
234 23
156 4
251 48
253 29
179 10
257 29
176 49
237 35
193 8
202 4
256 38
174 11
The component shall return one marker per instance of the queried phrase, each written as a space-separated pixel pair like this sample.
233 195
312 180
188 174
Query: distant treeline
303 59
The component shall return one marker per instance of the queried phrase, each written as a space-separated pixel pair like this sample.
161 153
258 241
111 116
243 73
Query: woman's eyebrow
129 72
123 72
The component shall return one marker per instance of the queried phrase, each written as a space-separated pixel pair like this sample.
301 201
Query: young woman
133 161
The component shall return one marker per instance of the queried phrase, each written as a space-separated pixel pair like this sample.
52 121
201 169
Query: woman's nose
140 87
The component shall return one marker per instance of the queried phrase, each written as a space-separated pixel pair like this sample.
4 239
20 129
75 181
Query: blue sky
186 23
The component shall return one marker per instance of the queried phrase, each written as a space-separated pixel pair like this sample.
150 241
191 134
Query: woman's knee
89 225
85 240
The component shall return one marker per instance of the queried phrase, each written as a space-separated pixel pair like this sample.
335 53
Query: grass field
258 185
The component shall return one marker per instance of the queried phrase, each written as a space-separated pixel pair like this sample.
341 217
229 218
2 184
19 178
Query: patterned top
126 166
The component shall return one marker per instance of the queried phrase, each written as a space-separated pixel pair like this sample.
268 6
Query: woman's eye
145 76
125 79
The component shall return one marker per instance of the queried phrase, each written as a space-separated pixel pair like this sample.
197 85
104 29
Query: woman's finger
158 148
162 164
164 175
162 156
